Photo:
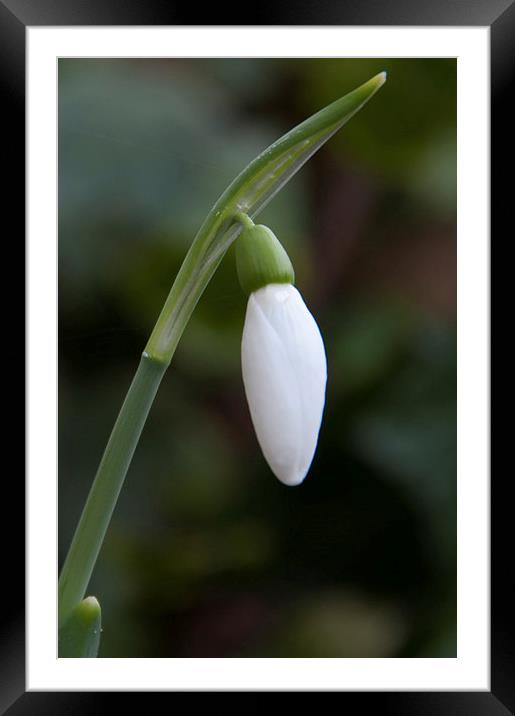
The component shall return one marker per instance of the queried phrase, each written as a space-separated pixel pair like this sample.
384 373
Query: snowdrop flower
282 356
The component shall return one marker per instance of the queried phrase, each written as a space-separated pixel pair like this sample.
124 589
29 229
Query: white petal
284 373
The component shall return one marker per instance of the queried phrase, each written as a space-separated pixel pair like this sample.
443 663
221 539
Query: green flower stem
102 498
248 194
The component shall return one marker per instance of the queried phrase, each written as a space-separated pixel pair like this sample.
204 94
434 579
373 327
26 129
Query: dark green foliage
208 554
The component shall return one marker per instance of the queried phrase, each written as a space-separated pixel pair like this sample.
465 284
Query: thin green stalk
245 220
102 498
257 184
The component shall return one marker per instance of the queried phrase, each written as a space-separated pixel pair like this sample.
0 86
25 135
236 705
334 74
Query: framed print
304 501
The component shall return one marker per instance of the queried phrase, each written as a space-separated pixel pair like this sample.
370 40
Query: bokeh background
208 555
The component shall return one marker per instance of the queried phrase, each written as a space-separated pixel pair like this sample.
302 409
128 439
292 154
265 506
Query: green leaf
80 635
249 193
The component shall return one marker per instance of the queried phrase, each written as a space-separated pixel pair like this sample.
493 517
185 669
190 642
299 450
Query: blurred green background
208 555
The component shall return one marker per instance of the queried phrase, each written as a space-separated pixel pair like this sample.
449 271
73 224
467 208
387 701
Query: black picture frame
499 15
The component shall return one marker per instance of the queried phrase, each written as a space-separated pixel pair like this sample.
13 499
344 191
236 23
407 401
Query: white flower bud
284 372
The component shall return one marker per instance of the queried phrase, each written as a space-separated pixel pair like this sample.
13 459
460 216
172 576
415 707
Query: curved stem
244 219
249 192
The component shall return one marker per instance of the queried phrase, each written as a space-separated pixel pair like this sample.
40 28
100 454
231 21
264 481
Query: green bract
261 259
